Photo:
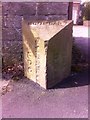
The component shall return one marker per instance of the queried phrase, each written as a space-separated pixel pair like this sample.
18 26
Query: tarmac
68 99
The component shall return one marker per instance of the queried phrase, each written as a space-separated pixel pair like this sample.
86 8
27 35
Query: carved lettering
37 57
29 61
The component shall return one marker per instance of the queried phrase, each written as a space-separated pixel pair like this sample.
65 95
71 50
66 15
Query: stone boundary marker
47 47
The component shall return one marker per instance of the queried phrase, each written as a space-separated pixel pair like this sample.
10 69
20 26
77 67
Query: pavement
28 100
82 39
68 99
81 31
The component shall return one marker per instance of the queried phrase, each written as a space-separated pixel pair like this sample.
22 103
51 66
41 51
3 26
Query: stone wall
12 17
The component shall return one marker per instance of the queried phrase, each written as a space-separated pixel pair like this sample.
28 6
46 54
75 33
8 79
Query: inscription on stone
37 57
29 61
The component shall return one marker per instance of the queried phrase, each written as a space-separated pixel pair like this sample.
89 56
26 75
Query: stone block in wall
28 8
11 34
32 17
11 21
19 8
12 52
53 8
46 17
12 46
47 51
11 8
57 17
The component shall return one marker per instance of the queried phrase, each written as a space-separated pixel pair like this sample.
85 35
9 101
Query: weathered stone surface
28 8
59 56
17 8
47 51
11 20
47 17
53 8
57 17
12 46
11 8
11 34
32 18
12 52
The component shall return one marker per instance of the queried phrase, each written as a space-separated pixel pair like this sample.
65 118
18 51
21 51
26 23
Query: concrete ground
28 100
82 38
68 99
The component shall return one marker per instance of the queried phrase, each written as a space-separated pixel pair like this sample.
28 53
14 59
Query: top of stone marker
46 29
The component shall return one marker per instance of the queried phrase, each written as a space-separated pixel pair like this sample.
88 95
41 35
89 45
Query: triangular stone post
47 47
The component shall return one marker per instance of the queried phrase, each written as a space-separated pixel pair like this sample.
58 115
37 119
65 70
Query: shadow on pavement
74 80
80 49
80 53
